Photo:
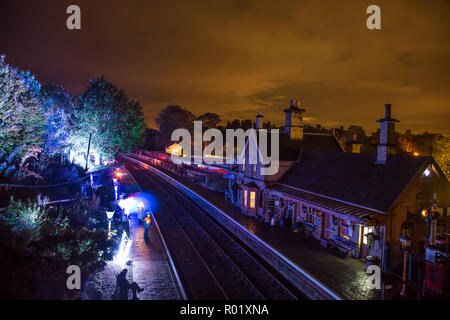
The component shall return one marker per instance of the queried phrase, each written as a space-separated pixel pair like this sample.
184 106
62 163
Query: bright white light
109 229
128 205
109 214
426 173
123 255
116 191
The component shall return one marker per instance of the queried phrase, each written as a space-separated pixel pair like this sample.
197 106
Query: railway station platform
347 277
150 268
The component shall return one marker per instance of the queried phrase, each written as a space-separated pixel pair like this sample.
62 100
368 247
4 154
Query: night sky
239 57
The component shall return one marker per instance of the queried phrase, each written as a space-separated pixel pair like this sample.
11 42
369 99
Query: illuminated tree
135 128
59 105
43 240
22 113
441 153
116 124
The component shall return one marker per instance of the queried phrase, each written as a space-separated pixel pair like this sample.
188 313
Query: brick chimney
259 121
294 120
387 136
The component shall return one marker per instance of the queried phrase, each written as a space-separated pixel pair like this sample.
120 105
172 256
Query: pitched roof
330 204
354 177
289 150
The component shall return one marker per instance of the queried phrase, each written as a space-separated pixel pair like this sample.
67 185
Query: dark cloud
240 57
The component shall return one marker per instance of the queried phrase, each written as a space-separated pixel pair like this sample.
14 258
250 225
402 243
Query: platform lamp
109 216
405 242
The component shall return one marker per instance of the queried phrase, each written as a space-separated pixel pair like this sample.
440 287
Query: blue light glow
131 204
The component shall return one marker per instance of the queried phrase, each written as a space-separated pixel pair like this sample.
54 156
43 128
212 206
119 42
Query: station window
245 198
367 230
252 199
344 232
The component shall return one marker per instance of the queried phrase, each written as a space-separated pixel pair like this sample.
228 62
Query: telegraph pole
88 150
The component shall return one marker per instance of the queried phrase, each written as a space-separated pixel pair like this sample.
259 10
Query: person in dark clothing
123 286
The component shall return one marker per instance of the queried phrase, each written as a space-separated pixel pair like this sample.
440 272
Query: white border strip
317 282
180 286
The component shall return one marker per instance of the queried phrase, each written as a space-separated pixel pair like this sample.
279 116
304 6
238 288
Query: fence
425 277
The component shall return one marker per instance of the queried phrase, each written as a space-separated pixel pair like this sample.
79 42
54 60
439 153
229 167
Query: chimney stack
294 120
259 121
387 136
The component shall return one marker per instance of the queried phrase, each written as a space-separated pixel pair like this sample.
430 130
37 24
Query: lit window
344 229
367 230
252 199
245 198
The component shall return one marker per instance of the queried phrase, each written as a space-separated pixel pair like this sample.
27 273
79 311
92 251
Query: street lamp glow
109 214
124 249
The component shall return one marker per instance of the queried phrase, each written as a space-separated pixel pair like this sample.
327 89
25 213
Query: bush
36 239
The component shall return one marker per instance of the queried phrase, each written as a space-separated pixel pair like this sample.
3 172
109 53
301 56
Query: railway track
213 264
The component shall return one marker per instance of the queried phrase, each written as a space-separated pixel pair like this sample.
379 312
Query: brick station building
358 203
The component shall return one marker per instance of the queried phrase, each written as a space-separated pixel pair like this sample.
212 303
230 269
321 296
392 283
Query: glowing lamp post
405 243
109 216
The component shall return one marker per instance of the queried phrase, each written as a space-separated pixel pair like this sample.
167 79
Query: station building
360 204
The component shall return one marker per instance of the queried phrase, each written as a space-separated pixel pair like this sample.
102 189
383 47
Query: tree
169 119
135 128
150 135
43 240
22 112
116 124
246 124
209 120
441 153
235 124
406 142
59 105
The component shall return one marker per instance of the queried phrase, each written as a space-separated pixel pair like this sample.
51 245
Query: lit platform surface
151 268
